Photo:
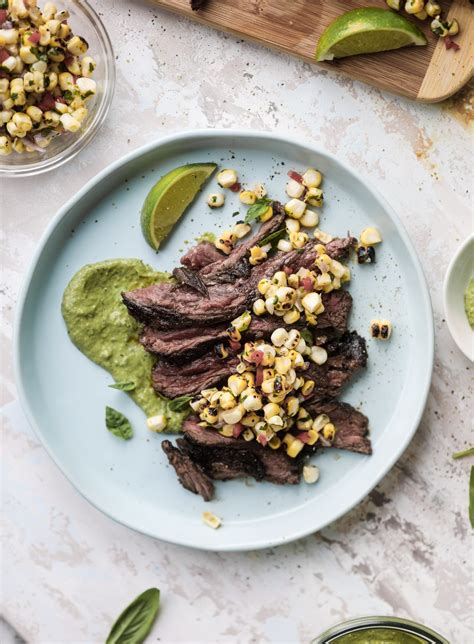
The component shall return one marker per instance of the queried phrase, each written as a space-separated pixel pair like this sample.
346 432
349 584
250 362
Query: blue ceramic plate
64 394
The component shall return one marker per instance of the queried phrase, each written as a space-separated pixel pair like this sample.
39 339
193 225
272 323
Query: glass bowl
84 22
380 630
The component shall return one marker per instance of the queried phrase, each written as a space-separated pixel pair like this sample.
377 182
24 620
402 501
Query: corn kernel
248 197
310 473
308 387
370 236
211 520
295 448
156 423
312 178
329 431
215 200
227 178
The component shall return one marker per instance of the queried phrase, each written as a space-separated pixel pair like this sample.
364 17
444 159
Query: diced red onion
256 357
451 44
295 176
287 270
259 376
34 37
303 437
262 439
47 102
307 283
235 346
237 429
235 187
3 17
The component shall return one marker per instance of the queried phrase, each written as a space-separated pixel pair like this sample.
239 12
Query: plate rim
180 137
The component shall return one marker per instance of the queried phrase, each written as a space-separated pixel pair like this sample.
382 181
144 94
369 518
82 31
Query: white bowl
460 271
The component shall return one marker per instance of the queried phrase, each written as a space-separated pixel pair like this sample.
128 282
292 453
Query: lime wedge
365 31
169 198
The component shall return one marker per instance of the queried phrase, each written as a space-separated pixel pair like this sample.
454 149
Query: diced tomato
256 357
262 439
307 283
451 44
235 346
3 54
237 429
295 176
287 270
47 102
303 437
259 376
34 38
3 15
236 187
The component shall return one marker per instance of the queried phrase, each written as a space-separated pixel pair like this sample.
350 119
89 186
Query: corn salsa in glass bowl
57 78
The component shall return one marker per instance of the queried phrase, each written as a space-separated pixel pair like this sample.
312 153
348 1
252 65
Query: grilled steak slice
173 380
341 247
199 256
190 474
227 458
346 355
351 425
190 278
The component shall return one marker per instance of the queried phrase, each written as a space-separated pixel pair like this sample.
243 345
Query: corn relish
45 76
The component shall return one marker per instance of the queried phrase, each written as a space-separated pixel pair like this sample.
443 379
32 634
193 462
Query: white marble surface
407 549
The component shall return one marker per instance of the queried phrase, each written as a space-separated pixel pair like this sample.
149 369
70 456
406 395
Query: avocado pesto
469 302
379 636
99 325
206 237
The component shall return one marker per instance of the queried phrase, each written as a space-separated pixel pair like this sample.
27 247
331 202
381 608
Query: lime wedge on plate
169 198
365 31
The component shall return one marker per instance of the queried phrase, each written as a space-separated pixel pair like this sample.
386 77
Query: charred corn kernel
260 191
299 382
8 104
53 26
26 55
292 405
221 351
310 474
51 119
18 9
312 178
267 214
227 400
322 236
227 430
259 307
88 66
39 66
375 328
292 316
274 442
329 431
284 245
310 219
250 419
433 9
257 255
38 78
323 280
211 520
318 355
286 297
370 236
421 15
242 323
298 240
248 197
346 276
294 189
394 4
14 131
87 86
5 116
4 85
76 46
248 435
34 113
224 244
301 346
313 437
276 423
215 199
64 31
79 114
270 305
22 121
61 108
50 81
49 11
288 439
70 123
236 384
292 225
156 423
311 301
385 329
271 409
295 208
198 405
315 197
308 387
5 145
279 337
252 402
295 448
45 35
208 393
453 27
294 336
269 354
414 6
240 230
263 286
211 415
439 27
337 269
56 54
293 280
268 373
297 359
227 178
279 278
282 364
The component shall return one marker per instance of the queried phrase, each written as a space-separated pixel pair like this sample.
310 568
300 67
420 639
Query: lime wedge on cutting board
169 198
365 31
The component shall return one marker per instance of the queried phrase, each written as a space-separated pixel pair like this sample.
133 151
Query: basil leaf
471 497
118 424
123 386
179 404
258 208
307 337
135 622
466 452
273 237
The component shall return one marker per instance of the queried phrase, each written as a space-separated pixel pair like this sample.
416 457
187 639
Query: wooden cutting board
428 74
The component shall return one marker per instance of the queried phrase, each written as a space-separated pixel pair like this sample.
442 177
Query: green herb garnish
68 95
273 237
118 424
179 404
466 452
257 210
123 386
307 337
135 622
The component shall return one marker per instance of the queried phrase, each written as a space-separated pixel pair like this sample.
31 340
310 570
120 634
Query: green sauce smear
469 302
379 636
99 325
